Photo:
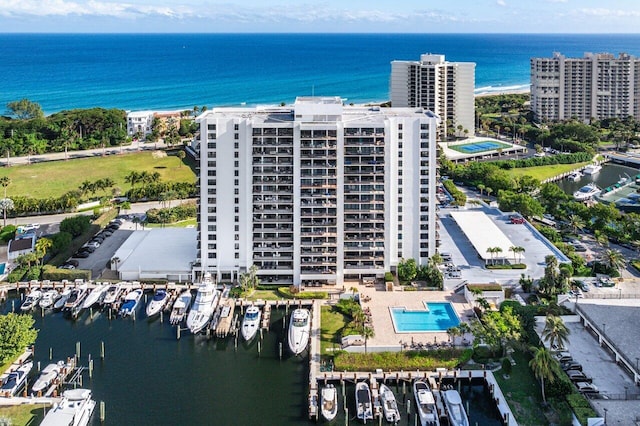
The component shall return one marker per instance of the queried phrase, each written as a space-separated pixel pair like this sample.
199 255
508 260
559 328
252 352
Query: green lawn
52 179
331 323
522 390
22 415
545 172
181 224
265 295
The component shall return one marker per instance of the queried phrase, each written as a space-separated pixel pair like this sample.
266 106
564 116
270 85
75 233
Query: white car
93 244
585 387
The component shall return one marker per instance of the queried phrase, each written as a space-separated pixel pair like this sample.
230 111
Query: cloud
18 8
608 13
501 3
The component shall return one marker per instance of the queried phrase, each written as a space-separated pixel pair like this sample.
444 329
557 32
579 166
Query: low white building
21 245
139 122
166 254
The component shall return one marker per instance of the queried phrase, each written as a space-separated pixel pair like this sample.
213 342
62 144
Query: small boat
251 322
586 192
364 408
298 334
47 376
76 297
16 379
592 169
112 295
426 404
75 409
180 307
389 404
94 297
31 301
130 302
59 304
575 176
455 409
159 299
329 402
49 298
204 305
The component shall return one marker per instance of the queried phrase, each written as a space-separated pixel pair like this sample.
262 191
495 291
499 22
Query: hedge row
405 360
581 407
287 293
50 272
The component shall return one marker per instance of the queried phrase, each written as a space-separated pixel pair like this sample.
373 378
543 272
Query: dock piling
90 368
50 353
102 349
178 331
78 350
259 348
280 350
102 412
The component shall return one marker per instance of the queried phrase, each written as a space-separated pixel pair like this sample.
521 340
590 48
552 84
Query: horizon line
307 33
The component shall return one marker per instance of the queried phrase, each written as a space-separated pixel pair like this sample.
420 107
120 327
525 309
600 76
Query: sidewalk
97 152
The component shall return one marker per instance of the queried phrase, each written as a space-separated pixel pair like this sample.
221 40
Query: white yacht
49 298
329 402
31 301
157 303
592 169
251 322
59 304
16 379
47 376
130 302
76 297
203 306
112 294
299 328
389 404
455 409
180 307
364 408
75 409
575 176
94 297
586 192
426 404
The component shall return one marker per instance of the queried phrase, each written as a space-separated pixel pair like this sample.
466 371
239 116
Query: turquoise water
3 267
439 316
479 146
178 71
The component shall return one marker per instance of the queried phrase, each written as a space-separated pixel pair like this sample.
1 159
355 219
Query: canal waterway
609 175
148 377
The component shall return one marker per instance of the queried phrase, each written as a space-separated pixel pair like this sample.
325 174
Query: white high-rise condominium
446 88
596 86
317 192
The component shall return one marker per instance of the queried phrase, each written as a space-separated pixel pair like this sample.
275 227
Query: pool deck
458 157
379 301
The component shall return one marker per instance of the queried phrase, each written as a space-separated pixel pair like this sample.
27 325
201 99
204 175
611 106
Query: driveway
98 260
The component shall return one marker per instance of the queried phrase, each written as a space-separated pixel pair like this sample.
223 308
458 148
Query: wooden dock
227 309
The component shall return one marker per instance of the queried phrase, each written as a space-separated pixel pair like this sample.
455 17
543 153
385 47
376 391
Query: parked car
571 365
106 233
563 357
578 376
93 244
516 219
89 249
576 293
82 254
584 387
67 266
73 262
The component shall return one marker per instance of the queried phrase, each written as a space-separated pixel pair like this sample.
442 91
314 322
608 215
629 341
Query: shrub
286 292
506 366
580 407
482 354
173 214
103 219
7 233
60 241
16 275
485 287
33 273
50 272
347 307
560 386
75 225
388 276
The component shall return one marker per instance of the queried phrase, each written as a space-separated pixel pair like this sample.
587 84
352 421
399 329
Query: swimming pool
438 316
479 146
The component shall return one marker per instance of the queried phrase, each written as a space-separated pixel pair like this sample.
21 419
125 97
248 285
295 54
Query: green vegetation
179 224
407 360
408 270
16 333
581 407
545 172
50 272
288 293
332 322
54 179
508 266
459 197
261 294
484 287
636 264
172 214
22 415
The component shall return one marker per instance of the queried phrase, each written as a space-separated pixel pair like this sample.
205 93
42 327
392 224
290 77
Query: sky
322 16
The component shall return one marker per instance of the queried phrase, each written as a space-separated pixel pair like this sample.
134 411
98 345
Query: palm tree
42 245
497 251
555 332
543 366
367 333
517 250
6 204
133 178
491 251
489 190
481 188
576 222
5 181
115 261
613 259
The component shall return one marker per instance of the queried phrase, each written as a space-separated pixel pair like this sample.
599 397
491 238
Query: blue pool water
481 146
439 316
3 267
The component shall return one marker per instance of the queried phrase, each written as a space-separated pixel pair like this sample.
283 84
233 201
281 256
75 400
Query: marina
116 345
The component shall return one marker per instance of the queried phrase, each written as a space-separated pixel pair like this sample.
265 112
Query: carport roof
482 233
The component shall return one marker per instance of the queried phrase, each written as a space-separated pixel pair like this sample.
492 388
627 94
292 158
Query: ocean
179 71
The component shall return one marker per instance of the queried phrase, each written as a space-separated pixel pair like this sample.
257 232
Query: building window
236 191
236 127
235 182
236 145
211 126
400 126
237 255
236 237
237 246
235 154
212 255
236 228
236 136
236 164
236 173
236 200
236 218
236 210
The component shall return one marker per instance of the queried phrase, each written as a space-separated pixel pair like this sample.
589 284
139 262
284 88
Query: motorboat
575 176
389 404
203 306
75 409
364 408
157 303
94 297
112 295
47 376
16 379
251 322
180 307
426 404
592 169
299 328
455 409
130 302
76 297
59 304
586 192
329 402
31 301
48 299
